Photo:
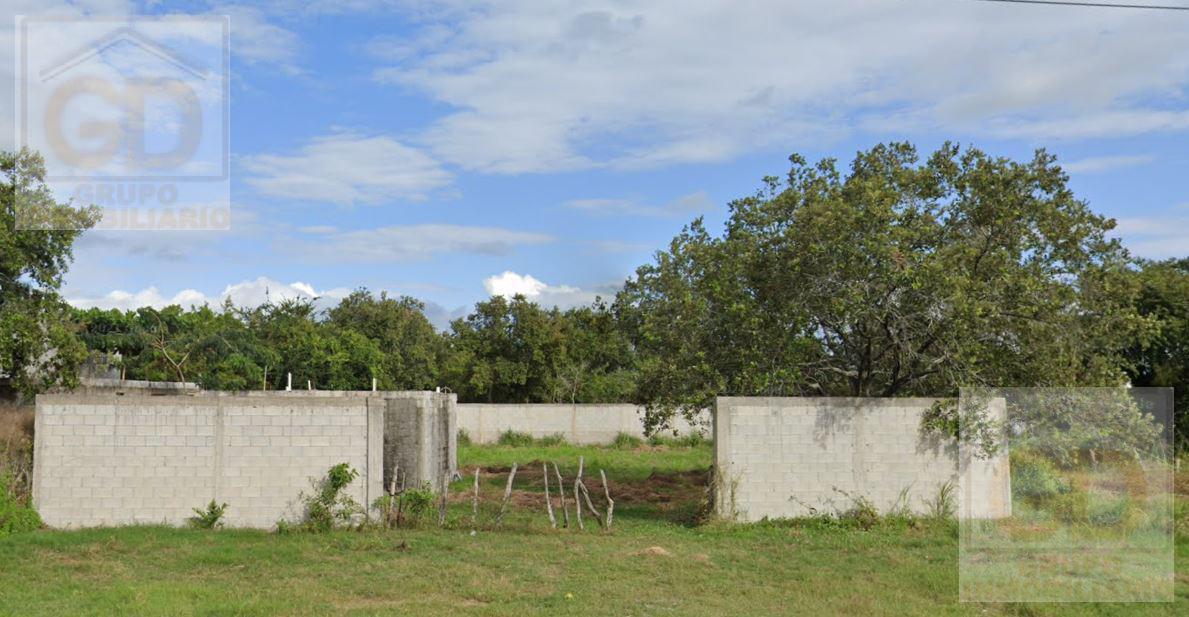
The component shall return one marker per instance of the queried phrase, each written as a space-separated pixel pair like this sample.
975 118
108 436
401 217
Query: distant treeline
505 351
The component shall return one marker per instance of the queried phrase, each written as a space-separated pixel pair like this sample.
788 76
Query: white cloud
1106 163
1156 237
686 205
250 293
413 243
348 169
257 41
540 86
510 284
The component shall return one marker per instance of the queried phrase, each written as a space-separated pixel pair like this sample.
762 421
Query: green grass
524 568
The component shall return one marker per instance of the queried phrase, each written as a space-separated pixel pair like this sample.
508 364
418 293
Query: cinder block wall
579 424
788 457
114 460
421 439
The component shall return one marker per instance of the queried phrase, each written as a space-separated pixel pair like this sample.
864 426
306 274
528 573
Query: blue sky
452 150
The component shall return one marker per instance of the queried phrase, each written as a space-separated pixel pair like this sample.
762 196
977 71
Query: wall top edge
828 401
248 398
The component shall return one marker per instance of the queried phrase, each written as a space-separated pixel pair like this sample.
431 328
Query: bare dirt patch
652 551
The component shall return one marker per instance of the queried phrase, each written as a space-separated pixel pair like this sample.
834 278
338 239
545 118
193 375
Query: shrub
210 517
626 441
862 513
1035 478
418 501
329 507
690 440
1108 512
407 507
464 438
15 514
1071 507
549 441
515 439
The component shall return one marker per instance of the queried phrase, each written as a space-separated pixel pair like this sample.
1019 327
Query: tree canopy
37 343
896 277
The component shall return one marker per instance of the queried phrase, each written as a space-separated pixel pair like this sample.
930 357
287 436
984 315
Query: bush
1109 512
626 441
329 507
690 440
1071 507
210 517
1034 478
549 441
418 501
15 514
515 439
405 509
464 438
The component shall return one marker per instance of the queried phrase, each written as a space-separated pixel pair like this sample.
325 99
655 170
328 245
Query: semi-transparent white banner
1091 516
132 118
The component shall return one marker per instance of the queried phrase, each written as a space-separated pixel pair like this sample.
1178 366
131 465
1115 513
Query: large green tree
411 348
1163 360
505 352
38 346
894 277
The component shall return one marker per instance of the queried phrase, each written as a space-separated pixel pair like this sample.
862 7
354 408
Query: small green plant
1035 478
1109 512
418 501
329 506
689 440
407 507
626 441
1071 507
210 517
15 514
549 441
464 438
944 505
862 513
515 439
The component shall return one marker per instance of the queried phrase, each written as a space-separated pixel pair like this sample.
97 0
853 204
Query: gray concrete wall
125 459
421 440
579 424
789 457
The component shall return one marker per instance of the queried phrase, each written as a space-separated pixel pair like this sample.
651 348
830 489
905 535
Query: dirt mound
652 551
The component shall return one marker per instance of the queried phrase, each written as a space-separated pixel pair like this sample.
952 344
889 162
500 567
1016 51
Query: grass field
655 561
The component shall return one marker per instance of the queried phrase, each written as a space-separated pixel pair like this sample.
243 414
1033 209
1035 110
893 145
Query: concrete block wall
113 460
421 439
789 457
579 424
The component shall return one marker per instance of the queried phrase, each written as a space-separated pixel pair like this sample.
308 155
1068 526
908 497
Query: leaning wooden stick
590 506
391 495
548 501
445 496
507 495
607 494
578 495
561 491
475 502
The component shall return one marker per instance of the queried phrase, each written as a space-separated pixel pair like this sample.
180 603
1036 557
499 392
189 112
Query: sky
455 150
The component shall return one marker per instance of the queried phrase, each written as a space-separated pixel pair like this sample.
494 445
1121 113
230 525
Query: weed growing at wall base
15 513
210 517
329 506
